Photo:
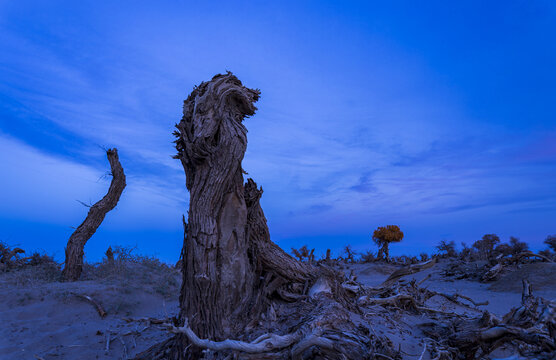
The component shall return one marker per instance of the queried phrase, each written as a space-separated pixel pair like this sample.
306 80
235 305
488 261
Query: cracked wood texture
268 256
97 212
218 277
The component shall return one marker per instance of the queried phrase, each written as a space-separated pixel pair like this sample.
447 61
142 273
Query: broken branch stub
97 212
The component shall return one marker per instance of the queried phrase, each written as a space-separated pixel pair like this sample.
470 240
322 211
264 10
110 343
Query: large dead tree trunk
218 276
233 274
97 212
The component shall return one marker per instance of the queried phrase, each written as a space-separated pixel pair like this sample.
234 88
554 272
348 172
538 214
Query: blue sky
438 117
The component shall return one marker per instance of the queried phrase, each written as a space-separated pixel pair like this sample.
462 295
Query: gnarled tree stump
218 276
233 274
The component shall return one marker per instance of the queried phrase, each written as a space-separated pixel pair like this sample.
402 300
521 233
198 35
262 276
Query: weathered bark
269 256
97 212
218 278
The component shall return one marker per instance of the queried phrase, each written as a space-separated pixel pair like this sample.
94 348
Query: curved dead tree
97 212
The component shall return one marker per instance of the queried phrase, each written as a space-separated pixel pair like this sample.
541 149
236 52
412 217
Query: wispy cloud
371 119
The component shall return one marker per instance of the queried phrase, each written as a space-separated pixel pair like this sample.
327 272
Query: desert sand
46 319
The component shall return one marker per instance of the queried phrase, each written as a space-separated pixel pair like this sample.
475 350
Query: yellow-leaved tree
383 236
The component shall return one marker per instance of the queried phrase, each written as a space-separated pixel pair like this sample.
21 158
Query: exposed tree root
264 343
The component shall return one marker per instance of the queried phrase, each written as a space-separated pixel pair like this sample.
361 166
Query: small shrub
132 271
368 257
26 270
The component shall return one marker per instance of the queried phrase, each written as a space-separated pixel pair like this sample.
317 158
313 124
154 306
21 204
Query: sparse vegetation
368 257
121 265
304 254
36 267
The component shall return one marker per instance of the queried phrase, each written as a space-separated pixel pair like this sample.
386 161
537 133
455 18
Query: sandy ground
502 295
47 320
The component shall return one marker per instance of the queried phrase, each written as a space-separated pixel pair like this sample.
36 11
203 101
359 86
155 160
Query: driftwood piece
95 303
454 298
97 212
527 254
150 320
326 330
407 270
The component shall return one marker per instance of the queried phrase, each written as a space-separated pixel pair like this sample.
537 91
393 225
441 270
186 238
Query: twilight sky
438 117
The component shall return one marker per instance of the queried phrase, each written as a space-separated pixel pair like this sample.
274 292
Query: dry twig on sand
95 303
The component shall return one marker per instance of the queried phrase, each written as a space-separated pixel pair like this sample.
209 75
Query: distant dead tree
97 212
327 257
383 236
350 254
448 248
303 253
